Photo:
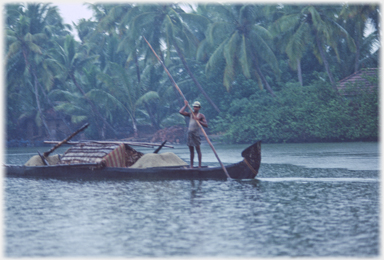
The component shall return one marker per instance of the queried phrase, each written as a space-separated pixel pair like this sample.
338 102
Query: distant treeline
266 72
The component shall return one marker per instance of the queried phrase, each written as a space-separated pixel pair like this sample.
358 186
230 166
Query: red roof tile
358 81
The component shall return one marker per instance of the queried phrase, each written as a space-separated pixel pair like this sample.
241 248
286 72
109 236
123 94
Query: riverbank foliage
261 72
313 113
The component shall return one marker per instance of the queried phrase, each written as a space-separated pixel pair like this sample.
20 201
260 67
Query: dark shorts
193 139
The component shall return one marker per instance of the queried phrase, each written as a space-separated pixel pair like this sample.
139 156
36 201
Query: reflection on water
288 211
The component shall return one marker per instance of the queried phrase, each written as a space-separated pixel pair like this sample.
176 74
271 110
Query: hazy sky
72 12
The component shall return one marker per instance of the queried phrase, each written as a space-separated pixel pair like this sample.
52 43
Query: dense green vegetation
301 114
266 72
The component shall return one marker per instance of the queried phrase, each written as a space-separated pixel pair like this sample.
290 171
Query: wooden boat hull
246 169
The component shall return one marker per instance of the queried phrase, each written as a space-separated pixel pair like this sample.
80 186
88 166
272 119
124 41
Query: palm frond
230 51
39 37
10 37
216 57
262 32
130 91
297 42
198 21
13 49
33 47
316 18
106 79
218 32
141 21
228 77
69 47
71 109
173 119
108 102
128 16
175 18
263 50
147 98
203 50
78 119
80 60
190 41
170 32
285 23
64 95
350 42
247 13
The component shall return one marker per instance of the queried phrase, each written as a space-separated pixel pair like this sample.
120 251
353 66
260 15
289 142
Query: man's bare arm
203 121
182 110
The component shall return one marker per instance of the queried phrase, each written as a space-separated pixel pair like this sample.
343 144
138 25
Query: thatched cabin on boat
103 154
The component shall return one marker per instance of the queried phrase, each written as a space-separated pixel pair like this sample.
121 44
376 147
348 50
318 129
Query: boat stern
252 157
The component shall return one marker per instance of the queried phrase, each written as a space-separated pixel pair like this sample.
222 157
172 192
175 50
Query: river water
308 200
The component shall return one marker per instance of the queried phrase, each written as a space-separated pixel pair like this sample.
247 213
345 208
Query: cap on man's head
196 104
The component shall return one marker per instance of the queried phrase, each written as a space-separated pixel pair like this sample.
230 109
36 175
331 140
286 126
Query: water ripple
319 179
288 211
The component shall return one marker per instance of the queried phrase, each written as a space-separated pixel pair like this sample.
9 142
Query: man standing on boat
194 129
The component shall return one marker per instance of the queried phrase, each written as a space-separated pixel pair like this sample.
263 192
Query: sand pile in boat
36 160
158 160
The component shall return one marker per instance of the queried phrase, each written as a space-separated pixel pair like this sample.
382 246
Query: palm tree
313 26
71 63
85 30
162 24
119 85
290 37
240 41
358 17
27 38
119 49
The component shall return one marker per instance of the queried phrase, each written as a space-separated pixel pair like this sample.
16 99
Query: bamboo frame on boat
142 144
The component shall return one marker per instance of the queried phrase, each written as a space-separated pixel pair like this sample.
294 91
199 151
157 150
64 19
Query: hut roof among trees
362 80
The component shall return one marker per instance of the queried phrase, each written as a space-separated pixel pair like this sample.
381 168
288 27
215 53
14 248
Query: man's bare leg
192 155
199 155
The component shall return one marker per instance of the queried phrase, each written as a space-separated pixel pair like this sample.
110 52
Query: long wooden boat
245 169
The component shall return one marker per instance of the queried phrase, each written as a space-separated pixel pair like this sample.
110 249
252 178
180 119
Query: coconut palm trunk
264 81
137 68
325 61
39 107
134 126
299 74
357 55
35 80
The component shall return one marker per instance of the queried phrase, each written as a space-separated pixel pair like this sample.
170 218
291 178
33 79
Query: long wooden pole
181 93
46 154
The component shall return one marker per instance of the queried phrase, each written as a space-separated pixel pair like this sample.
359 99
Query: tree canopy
261 71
